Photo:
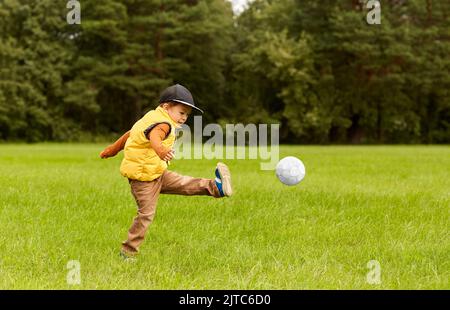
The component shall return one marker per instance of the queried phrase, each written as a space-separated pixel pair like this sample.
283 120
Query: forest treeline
315 67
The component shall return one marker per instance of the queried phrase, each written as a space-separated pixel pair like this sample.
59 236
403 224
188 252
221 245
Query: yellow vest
140 161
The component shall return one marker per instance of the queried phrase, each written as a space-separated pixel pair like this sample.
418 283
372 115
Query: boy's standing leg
146 195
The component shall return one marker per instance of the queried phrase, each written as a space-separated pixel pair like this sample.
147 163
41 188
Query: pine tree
33 62
129 51
359 82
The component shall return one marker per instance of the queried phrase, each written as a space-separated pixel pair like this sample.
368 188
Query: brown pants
146 195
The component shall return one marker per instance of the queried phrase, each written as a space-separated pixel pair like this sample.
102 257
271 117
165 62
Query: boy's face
178 113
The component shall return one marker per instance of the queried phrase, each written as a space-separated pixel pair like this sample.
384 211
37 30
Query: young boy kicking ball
148 147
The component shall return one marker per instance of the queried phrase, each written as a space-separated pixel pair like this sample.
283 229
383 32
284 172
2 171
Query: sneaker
127 257
223 180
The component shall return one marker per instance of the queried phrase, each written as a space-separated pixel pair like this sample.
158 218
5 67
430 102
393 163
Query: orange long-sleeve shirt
156 136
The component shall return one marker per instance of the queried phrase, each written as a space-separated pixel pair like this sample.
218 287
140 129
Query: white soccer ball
290 170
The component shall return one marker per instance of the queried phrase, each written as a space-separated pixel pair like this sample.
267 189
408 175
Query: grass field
59 202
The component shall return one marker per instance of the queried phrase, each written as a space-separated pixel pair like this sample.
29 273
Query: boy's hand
116 147
169 155
108 152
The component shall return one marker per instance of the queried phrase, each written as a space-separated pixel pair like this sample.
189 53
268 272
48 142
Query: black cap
178 93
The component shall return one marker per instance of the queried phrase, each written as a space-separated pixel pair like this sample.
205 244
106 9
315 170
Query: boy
147 150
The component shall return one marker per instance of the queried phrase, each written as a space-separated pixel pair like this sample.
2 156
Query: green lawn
59 202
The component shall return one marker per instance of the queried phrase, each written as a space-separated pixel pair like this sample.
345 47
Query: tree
33 62
129 51
359 82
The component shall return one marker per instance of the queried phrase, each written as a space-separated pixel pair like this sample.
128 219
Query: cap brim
188 104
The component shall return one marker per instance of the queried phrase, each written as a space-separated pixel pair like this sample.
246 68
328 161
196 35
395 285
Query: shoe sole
225 175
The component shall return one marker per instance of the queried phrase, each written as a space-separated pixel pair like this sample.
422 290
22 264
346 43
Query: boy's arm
156 136
116 147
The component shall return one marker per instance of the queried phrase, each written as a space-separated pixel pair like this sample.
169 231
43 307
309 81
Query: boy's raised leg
174 183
